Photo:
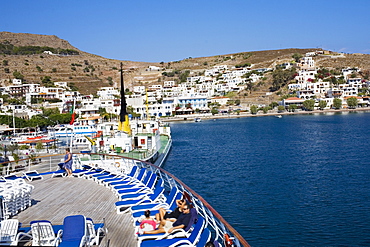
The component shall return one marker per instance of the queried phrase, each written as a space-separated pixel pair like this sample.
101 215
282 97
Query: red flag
73 118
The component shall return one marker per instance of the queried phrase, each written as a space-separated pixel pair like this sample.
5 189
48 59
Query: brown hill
88 72
27 39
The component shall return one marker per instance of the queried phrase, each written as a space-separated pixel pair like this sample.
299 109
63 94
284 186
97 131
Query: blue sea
300 180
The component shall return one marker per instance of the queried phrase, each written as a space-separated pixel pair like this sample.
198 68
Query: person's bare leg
159 230
162 212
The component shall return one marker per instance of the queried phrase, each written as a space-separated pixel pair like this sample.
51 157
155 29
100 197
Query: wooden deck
55 198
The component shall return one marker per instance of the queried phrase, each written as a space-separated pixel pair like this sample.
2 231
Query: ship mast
123 124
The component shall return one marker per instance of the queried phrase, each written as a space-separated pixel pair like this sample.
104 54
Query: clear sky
171 30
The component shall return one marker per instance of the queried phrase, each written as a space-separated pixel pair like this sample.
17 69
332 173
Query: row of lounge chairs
142 190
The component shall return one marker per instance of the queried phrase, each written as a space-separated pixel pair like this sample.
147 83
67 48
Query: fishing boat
197 119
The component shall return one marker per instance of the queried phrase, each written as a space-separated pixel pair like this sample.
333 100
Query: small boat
197 119
278 116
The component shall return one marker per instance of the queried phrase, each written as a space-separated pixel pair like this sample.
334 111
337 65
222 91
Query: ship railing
215 222
168 146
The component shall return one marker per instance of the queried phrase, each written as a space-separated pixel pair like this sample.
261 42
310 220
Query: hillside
88 72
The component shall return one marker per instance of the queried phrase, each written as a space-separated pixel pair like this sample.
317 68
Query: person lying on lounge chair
147 223
171 224
163 214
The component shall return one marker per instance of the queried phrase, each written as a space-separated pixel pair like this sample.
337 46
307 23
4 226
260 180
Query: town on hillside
308 88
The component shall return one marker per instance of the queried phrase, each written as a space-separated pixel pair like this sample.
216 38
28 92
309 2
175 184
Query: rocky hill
88 72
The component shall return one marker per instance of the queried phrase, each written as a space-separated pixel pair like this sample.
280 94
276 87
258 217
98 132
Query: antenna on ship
123 124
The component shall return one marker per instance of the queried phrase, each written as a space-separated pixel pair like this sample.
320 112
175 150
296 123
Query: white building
306 63
17 82
108 92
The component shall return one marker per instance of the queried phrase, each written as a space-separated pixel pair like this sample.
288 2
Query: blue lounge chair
138 179
156 196
59 173
169 204
10 177
147 187
31 175
176 233
140 192
190 241
74 231
204 238
142 182
127 177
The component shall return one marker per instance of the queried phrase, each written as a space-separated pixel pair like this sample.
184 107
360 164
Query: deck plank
55 198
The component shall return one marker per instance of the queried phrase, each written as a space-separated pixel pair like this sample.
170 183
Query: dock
55 198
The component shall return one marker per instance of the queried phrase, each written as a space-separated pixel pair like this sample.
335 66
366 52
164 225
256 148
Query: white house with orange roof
292 101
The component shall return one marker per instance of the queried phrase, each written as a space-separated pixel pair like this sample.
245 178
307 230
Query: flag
73 118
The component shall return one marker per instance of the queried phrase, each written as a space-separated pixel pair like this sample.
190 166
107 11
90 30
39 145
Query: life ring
228 240
118 165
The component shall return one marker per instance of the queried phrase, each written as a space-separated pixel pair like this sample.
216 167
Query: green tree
39 121
214 110
292 107
47 81
337 103
273 104
266 109
184 75
309 104
254 109
352 102
322 104
39 146
281 77
281 108
49 111
297 57
18 75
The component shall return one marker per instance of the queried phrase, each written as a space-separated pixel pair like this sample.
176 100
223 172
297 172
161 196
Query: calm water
300 180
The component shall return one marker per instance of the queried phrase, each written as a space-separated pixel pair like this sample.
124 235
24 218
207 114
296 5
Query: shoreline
244 114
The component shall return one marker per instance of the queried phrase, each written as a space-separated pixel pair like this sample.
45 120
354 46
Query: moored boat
68 130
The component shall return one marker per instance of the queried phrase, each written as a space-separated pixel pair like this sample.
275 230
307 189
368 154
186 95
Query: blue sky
171 30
